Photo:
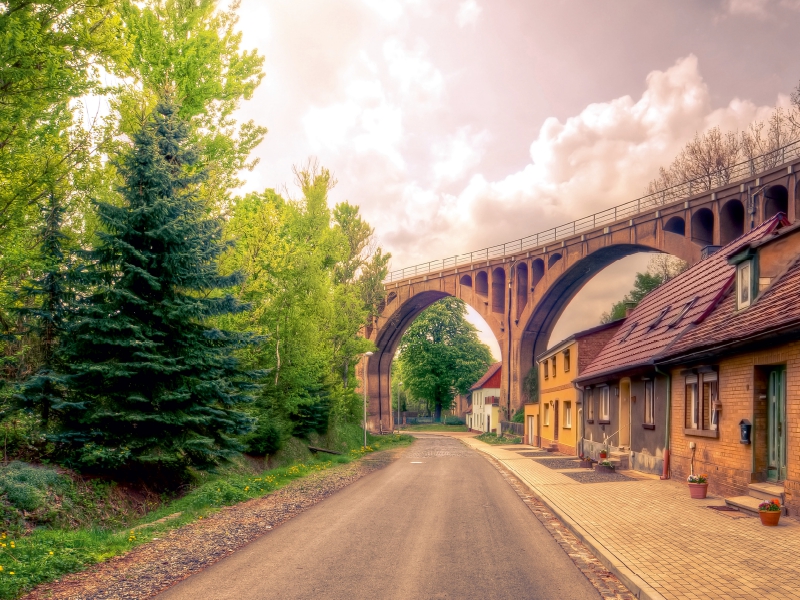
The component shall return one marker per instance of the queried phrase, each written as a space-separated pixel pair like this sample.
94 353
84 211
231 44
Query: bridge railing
719 178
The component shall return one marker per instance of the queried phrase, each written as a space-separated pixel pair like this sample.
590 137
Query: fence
721 177
515 428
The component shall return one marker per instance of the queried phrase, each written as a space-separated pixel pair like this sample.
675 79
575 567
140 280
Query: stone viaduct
521 288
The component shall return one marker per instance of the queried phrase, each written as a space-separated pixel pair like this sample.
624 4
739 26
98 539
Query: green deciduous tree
313 276
660 269
153 388
440 354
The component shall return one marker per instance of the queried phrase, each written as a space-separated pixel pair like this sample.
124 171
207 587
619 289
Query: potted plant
770 512
604 451
586 462
698 486
604 466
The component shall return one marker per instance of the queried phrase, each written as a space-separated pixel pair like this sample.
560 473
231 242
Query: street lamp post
364 383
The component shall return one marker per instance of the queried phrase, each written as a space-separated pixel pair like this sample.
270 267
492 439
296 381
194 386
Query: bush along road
181 537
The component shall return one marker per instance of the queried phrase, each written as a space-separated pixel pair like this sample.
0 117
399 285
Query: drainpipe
579 394
665 470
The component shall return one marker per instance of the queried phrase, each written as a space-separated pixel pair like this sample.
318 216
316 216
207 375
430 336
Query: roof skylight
630 331
683 312
654 323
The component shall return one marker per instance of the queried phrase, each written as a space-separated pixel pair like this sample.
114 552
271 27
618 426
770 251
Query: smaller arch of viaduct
521 296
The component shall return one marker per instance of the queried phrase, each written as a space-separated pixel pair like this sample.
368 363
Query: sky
460 124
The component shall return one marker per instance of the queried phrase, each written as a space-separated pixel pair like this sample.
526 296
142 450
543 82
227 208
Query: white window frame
693 400
744 284
605 403
567 414
713 419
649 403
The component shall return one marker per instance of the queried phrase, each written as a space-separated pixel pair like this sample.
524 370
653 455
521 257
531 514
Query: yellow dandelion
51 553
11 572
247 487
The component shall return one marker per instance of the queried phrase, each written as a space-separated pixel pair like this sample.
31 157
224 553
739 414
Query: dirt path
155 566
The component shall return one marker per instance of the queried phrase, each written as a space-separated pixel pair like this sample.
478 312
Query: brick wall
589 346
730 465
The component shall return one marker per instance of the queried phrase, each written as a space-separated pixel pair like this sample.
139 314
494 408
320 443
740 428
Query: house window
649 404
589 395
605 404
566 361
710 391
554 366
744 284
567 415
701 398
547 414
546 364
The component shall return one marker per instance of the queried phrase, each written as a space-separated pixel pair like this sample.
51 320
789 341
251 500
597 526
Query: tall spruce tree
153 388
45 303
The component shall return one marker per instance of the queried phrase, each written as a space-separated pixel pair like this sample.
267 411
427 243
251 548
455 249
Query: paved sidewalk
660 542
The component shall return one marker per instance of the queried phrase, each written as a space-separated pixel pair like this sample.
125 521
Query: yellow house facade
558 397
554 419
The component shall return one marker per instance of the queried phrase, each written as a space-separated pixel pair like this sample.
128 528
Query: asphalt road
441 522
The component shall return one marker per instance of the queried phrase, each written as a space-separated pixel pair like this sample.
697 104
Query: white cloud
759 8
417 78
603 156
456 155
747 7
468 13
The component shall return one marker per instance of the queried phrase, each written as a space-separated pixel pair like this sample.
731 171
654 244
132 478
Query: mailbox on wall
745 428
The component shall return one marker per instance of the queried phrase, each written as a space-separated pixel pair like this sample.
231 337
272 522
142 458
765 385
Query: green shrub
266 439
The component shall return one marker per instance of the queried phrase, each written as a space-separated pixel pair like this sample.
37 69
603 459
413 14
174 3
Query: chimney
629 306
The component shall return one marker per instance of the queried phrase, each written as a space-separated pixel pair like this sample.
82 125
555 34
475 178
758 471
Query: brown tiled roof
776 308
644 337
486 376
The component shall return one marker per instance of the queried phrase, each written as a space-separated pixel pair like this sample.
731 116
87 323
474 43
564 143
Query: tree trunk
437 416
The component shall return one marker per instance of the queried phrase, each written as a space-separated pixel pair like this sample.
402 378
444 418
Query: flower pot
603 454
586 464
698 491
769 518
604 468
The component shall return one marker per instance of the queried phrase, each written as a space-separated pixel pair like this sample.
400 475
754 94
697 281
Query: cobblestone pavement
661 542
602 579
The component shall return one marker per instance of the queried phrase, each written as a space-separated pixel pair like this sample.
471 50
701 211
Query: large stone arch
559 291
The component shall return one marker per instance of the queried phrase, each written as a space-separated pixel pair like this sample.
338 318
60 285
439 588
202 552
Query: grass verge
45 554
435 427
491 438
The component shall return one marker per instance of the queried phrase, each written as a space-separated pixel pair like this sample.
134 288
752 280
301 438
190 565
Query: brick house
558 426
741 366
626 393
485 415
462 404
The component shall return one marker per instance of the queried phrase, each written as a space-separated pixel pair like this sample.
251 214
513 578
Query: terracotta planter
603 468
770 518
698 491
